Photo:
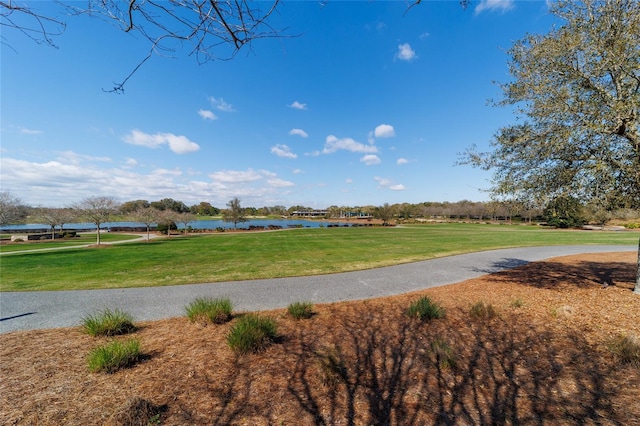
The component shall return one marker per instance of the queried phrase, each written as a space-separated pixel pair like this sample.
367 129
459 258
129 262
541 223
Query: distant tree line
167 212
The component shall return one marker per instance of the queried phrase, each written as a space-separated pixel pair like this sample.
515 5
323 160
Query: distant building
309 213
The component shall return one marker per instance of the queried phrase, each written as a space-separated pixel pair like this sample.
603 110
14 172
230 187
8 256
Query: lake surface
196 224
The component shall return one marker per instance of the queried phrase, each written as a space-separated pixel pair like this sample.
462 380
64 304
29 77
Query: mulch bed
543 359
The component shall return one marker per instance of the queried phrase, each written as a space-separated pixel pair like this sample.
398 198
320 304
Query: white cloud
26 131
388 184
59 183
75 158
279 183
382 181
298 105
180 144
221 104
402 161
384 131
167 172
333 144
235 176
405 52
494 5
177 144
207 115
131 162
283 151
348 180
136 137
297 171
298 132
371 159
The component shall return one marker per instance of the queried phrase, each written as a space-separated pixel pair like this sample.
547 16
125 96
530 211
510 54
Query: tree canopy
234 213
576 93
97 210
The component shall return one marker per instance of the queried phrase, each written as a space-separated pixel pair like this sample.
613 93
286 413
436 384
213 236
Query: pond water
197 224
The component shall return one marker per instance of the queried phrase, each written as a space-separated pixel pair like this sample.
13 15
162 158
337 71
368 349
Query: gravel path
53 309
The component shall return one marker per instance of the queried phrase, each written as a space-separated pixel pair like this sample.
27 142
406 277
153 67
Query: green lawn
64 242
227 257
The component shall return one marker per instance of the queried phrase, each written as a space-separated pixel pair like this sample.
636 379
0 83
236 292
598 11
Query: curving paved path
38 310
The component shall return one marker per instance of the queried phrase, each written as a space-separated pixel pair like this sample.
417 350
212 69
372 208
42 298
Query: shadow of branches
553 275
501 372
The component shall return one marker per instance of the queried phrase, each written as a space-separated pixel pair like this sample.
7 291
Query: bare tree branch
216 29
27 20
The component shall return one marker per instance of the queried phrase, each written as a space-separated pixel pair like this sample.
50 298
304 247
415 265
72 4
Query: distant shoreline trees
13 211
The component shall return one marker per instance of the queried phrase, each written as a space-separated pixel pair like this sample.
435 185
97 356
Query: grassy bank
81 239
227 257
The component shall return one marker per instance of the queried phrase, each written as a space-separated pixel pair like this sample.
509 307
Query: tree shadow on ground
491 372
556 275
502 264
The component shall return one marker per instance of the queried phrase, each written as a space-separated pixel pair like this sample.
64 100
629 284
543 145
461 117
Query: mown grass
298 252
63 242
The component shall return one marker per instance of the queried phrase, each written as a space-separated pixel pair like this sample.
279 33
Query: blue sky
361 104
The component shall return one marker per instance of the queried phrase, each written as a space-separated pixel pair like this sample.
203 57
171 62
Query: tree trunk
637 290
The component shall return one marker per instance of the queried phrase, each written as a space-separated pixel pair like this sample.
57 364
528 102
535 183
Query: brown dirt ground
544 359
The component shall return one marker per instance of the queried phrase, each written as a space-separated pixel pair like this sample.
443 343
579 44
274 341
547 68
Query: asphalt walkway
53 309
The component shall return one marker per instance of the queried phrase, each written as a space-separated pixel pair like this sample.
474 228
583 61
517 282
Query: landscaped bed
547 355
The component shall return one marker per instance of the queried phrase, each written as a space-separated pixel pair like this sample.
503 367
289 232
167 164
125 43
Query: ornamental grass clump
210 311
332 366
113 356
627 350
300 310
108 323
481 310
252 333
425 309
442 353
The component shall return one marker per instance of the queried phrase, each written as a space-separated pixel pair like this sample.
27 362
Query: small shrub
113 356
425 309
517 303
627 350
108 323
332 367
209 311
300 310
443 353
166 228
480 310
137 411
252 333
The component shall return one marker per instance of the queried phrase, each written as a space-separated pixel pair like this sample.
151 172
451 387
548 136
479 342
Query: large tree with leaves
576 92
